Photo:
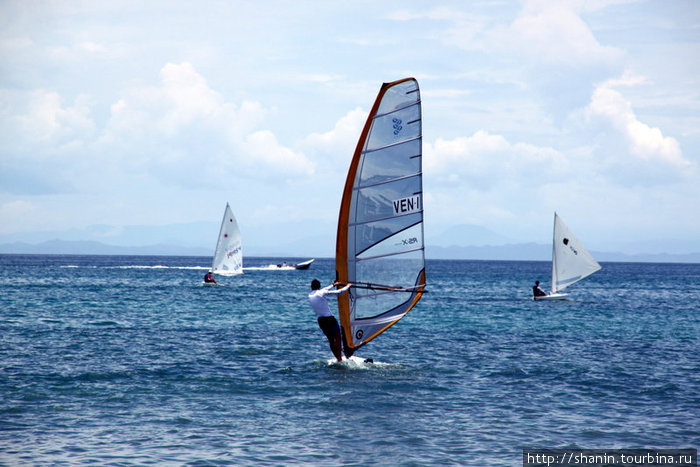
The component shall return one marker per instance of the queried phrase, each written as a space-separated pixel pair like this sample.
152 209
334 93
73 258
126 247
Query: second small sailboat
228 256
571 262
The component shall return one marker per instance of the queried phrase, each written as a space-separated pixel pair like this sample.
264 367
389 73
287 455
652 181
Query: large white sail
571 262
379 246
228 256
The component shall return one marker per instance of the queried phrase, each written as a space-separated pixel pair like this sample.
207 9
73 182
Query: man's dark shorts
329 325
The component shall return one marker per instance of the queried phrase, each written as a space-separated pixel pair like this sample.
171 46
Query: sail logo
397 126
566 242
233 252
407 205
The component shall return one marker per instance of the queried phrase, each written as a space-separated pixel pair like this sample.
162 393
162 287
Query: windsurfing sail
228 256
379 247
571 262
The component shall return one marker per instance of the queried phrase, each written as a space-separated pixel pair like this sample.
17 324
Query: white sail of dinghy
379 247
571 262
228 256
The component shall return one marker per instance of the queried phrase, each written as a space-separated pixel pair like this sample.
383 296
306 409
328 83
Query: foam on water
357 363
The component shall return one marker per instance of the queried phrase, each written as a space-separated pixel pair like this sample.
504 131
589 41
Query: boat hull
304 265
553 296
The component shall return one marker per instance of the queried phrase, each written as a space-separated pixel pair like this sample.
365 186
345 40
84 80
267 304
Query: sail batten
398 109
360 187
369 151
357 260
380 224
380 219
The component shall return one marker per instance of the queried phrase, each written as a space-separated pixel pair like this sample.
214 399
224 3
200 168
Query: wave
270 267
136 266
157 266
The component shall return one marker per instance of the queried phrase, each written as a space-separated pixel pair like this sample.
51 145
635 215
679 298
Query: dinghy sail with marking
228 256
571 262
379 247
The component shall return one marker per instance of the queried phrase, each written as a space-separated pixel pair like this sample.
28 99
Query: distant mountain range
88 247
512 252
539 252
312 239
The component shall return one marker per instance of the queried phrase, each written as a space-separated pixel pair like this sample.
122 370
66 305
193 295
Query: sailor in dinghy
537 290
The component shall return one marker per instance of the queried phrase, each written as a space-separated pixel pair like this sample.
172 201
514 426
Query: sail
571 262
379 246
228 256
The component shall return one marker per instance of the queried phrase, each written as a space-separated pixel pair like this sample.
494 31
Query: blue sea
130 360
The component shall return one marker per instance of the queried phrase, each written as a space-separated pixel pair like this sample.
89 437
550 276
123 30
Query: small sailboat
571 262
379 246
228 256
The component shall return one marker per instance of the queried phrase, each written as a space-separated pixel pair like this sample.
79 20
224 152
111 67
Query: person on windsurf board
326 320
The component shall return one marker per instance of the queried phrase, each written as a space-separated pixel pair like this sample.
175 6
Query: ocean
130 360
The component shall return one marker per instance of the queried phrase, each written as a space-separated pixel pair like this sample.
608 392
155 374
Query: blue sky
128 113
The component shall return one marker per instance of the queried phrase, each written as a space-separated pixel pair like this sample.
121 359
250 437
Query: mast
554 255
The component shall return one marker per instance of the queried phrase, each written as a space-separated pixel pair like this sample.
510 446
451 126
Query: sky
132 113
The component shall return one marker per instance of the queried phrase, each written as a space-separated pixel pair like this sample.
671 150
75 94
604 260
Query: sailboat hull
553 296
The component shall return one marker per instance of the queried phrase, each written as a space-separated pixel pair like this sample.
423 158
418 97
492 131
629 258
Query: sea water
115 360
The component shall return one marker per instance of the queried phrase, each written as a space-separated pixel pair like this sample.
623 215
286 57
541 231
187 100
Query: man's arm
330 291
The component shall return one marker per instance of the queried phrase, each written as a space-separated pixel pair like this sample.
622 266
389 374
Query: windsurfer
326 320
209 278
537 290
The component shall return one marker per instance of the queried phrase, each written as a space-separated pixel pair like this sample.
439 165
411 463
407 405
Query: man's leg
336 346
329 326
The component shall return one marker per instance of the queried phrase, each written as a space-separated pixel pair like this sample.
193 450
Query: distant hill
515 252
65 247
468 234
313 240
322 248
539 252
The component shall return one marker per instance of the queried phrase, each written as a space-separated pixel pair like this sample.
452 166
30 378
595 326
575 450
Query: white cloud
46 119
554 32
338 143
484 160
195 124
644 142
183 99
186 97
262 153
544 32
